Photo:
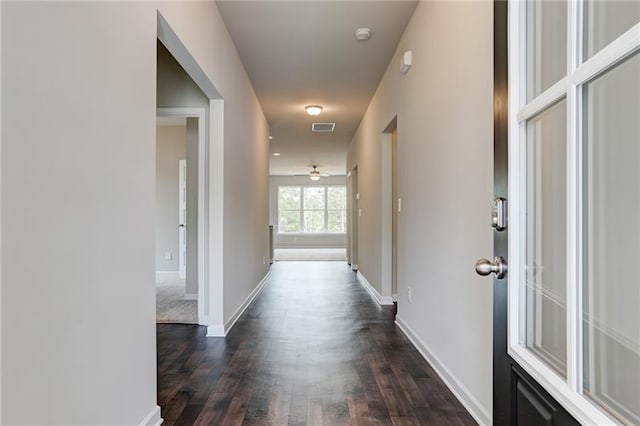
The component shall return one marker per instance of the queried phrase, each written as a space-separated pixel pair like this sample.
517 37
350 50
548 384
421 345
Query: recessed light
270 137
362 34
276 154
313 109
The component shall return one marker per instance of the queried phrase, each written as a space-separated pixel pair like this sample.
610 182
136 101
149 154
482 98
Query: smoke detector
363 34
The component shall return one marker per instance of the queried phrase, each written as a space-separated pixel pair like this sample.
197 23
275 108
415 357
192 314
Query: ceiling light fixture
362 34
276 154
270 137
314 174
313 109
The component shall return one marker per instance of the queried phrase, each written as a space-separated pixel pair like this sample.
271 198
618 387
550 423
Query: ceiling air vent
323 127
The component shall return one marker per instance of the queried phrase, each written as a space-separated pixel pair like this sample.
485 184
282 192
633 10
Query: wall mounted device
405 62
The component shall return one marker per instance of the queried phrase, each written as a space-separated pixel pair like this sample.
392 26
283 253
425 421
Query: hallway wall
78 188
78 196
444 110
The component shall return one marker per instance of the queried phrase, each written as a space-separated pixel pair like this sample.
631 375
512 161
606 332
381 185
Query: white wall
78 197
77 329
302 240
171 147
444 115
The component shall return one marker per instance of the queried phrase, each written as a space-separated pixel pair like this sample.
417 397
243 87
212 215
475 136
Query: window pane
337 197
314 197
288 198
314 221
607 20
289 221
545 317
337 221
611 305
546 45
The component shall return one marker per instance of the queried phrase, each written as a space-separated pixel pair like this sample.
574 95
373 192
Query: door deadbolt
498 267
499 214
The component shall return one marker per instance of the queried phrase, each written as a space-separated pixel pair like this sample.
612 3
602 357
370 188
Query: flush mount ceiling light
276 154
314 174
313 109
270 137
362 34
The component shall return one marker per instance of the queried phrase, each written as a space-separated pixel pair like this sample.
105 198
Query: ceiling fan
315 174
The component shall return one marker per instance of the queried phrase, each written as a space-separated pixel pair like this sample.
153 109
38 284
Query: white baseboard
153 418
382 300
243 307
215 330
466 398
190 296
219 330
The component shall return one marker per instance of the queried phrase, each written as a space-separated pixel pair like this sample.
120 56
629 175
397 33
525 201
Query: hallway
313 348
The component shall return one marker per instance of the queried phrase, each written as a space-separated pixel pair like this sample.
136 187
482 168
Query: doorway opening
180 136
185 91
308 217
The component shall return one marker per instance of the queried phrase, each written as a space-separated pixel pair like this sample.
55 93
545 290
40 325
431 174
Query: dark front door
566 108
517 398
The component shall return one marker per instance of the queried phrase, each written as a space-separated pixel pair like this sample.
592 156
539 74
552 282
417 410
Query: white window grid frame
568 391
326 209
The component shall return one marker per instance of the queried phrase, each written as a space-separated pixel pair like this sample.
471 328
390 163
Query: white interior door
182 218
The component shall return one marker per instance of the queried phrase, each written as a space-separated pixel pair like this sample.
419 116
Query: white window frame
567 391
326 209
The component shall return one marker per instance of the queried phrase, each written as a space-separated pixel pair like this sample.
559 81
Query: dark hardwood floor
312 349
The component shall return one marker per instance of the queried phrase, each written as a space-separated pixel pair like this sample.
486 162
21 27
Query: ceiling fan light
313 109
314 174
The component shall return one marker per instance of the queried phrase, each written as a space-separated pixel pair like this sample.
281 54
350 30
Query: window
312 209
574 243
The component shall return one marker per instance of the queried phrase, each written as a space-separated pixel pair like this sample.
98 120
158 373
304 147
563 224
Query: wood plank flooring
313 349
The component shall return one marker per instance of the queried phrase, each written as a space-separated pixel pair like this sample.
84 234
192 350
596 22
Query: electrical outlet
264 260
168 255
409 295
359 212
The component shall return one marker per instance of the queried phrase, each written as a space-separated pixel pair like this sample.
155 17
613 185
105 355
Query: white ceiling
299 53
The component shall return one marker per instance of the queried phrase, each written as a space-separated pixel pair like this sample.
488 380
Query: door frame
182 218
352 216
200 114
388 214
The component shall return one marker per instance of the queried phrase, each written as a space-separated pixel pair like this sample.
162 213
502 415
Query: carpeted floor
170 304
336 254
